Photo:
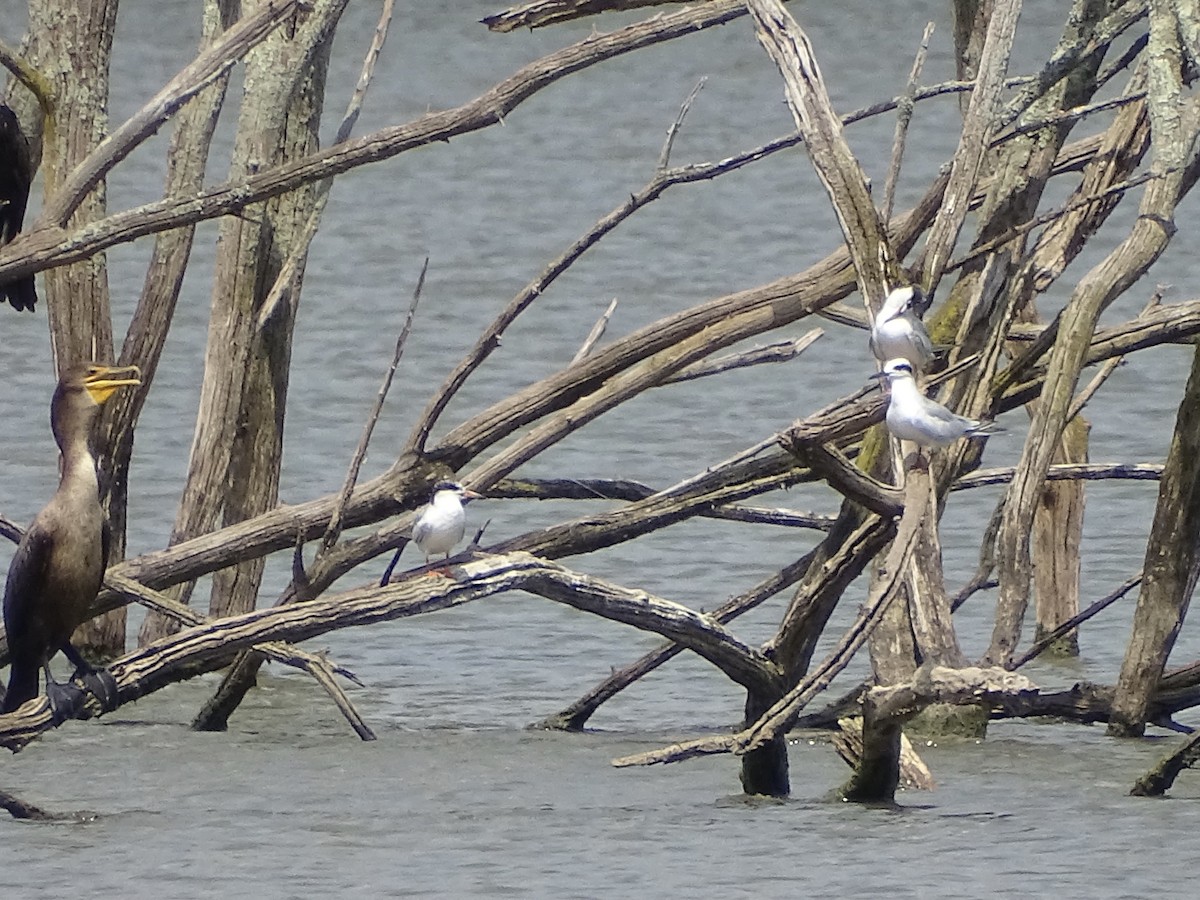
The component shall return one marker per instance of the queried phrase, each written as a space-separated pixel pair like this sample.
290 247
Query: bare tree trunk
1057 538
188 160
235 451
970 27
257 452
70 44
835 563
1170 571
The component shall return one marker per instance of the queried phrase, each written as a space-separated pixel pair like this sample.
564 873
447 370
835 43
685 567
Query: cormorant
440 524
14 194
59 564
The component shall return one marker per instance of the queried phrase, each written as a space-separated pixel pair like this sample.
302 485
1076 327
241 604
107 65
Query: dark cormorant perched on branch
59 564
15 178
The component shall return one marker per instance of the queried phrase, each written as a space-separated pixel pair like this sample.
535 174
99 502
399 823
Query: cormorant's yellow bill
102 382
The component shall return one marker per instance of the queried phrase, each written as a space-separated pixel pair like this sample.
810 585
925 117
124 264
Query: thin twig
1069 115
334 530
664 158
1075 621
595 334
780 351
905 109
1106 370
365 75
28 75
987 561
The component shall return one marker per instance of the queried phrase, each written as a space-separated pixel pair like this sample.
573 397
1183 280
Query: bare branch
839 171
664 158
334 529
207 67
974 142
907 104
595 334
782 351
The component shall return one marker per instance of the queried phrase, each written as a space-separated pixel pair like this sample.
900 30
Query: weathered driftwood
1159 780
540 13
848 741
208 647
19 809
575 716
776 720
885 708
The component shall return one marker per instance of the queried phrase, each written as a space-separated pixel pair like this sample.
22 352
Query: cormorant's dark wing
26 635
28 570
14 195
105 545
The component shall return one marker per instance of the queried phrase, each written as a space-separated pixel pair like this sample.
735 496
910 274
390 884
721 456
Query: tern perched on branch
441 523
898 333
911 416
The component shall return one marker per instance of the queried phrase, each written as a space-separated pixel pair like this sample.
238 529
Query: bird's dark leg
66 700
99 681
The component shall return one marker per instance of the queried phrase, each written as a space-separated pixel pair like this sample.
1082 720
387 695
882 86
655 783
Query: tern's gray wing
920 337
935 410
422 528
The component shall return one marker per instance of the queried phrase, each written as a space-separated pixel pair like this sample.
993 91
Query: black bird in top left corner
14 194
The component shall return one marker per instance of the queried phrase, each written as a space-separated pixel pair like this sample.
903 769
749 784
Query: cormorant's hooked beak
102 381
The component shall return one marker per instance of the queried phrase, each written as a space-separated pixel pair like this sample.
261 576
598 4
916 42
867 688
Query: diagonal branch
839 171
209 66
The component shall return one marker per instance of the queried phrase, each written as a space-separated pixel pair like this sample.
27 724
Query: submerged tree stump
885 709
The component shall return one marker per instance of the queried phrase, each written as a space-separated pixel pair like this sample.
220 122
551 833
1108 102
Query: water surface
457 797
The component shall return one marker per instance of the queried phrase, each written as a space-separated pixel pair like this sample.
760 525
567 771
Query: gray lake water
457 797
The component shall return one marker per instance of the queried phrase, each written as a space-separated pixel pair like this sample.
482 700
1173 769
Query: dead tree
1014 142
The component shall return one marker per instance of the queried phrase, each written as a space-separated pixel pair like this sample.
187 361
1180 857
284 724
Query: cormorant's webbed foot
103 687
99 681
66 700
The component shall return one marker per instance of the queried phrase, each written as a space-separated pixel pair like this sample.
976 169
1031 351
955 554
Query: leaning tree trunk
70 44
1170 571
